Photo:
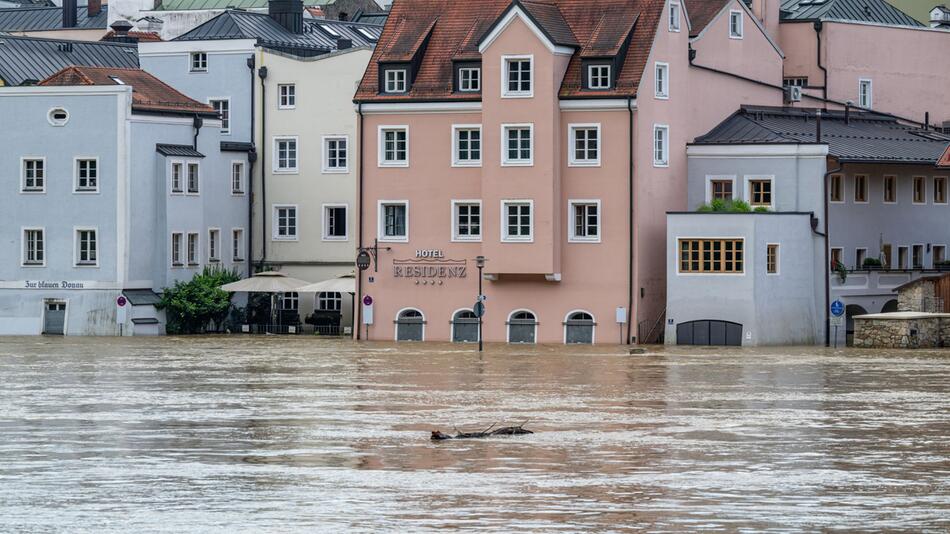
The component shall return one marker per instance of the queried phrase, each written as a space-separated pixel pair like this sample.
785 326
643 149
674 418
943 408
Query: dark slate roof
236 146
371 18
317 37
180 151
141 297
49 18
866 137
877 11
31 58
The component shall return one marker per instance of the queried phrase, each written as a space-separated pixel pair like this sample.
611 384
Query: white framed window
584 145
34 247
285 154
772 259
517 220
193 250
396 80
329 301
199 62
759 191
237 244
334 222
237 177
466 220
32 175
335 154
470 79
214 245
176 177
920 190
86 175
864 93
720 187
735 24
583 221
286 96
890 189
836 189
393 146
290 301
662 80
393 220
661 145
86 248
223 107
285 223
940 190
466 145
194 179
517 145
674 15
598 76
176 244
860 254
518 78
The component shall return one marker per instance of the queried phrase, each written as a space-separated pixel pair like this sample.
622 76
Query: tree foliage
192 307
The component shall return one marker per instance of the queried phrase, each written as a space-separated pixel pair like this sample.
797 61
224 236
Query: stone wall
911 298
918 332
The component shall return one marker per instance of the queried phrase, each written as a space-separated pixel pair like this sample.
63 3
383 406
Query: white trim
596 104
197 263
76 230
76 190
505 238
217 258
49 116
168 48
23 189
859 266
666 145
572 238
710 178
191 62
778 259
946 194
470 69
679 17
870 102
23 231
747 180
923 180
455 238
275 158
741 33
508 325
381 145
71 90
210 100
897 195
505 162
187 186
452 327
757 151
244 180
163 119
593 329
275 229
241 248
571 141
378 108
325 225
665 95
590 76
325 160
481 145
280 96
169 165
181 253
505 93
502 25
867 189
395 81
396 323
381 222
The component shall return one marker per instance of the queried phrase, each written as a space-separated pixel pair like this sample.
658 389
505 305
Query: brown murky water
292 435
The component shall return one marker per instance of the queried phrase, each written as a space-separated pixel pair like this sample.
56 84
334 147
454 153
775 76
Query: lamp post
480 305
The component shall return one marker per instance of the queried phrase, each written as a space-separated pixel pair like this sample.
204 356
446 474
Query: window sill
33 265
214 260
33 191
331 239
86 192
517 239
235 260
457 239
404 239
583 240
518 163
336 171
661 97
284 239
584 164
471 164
518 95
195 264
86 265
286 107
238 193
286 171
383 164
661 165
177 265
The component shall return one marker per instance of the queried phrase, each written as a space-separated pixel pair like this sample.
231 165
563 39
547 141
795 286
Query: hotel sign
430 266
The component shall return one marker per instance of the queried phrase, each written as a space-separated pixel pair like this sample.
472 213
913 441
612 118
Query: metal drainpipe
359 230
262 74
828 257
250 180
630 222
824 71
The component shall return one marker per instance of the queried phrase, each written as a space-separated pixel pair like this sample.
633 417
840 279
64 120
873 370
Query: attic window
366 33
330 30
396 80
58 117
598 76
117 80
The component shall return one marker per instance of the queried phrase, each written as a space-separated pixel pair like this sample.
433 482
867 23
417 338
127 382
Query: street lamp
480 304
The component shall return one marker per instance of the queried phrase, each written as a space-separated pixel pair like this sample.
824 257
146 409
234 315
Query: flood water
275 434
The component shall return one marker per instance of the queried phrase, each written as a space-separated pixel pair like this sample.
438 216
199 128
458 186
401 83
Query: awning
340 284
266 282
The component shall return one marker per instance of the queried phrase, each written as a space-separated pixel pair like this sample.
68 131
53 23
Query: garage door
709 333
54 318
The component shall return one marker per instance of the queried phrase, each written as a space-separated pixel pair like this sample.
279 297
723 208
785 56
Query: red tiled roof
598 28
944 160
148 92
143 37
316 12
701 13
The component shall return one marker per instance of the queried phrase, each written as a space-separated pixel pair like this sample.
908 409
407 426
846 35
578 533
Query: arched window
849 312
579 328
410 325
522 327
890 306
464 327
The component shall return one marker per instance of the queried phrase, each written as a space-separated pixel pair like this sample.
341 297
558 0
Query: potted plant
872 264
842 271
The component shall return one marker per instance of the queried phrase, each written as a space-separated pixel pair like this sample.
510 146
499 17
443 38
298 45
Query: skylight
330 30
366 33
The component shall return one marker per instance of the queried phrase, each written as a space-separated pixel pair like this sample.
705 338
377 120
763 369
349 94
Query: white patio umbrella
267 282
341 284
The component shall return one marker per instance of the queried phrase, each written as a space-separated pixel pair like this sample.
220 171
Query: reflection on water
290 434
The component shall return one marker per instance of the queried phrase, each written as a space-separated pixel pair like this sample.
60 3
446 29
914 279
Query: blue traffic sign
837 308
479 309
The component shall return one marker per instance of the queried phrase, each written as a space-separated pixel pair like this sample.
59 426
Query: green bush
194 306
726 206
871 262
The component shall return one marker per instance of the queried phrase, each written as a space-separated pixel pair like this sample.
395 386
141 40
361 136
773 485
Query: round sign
367 300
479 309
363 260
837 308
121 301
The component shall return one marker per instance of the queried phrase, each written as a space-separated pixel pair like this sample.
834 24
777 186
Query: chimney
69 13
120 32
343 43
287 13
93 7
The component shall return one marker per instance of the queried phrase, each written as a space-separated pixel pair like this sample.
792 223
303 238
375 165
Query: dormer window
395 80
518 76
598 76
470 79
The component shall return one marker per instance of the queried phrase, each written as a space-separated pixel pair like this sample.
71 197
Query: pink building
548 137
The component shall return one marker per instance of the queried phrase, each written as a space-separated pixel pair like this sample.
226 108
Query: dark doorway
719 333
54 320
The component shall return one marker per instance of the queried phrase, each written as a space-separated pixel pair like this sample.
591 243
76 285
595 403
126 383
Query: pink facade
551 273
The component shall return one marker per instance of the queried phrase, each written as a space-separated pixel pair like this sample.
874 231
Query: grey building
767 276
117 186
